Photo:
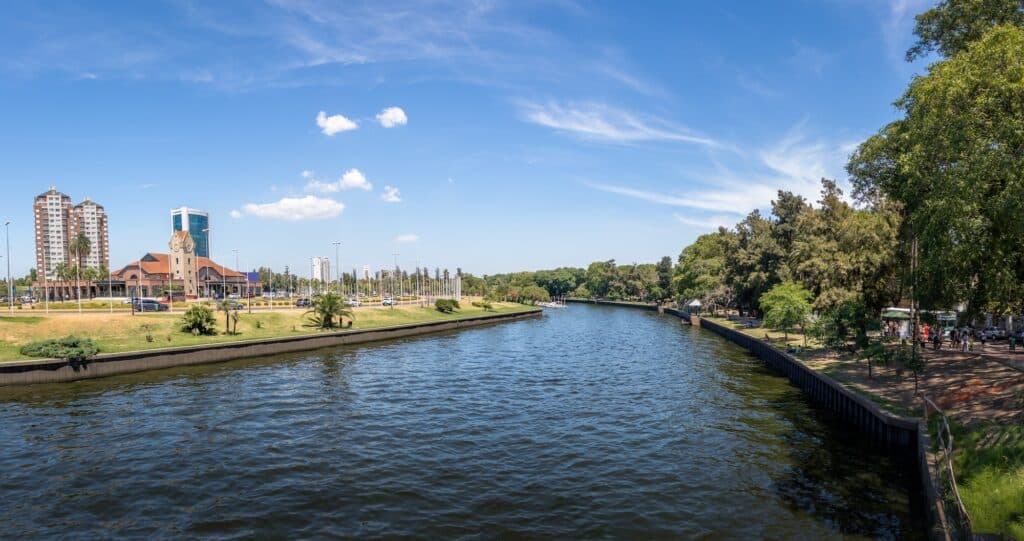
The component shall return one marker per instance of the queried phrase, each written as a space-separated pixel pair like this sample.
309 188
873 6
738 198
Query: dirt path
970 387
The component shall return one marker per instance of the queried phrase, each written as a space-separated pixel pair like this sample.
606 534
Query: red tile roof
159 263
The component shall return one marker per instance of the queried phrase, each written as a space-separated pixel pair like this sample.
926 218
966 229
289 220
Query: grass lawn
120 332
989 464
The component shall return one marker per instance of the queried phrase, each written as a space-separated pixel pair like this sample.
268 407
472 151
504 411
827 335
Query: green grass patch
20 319
120 332
989 464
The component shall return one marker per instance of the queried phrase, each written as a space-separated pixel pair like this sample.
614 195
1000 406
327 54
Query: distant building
90 219
57 222
183 262
197 224
183 270
320 270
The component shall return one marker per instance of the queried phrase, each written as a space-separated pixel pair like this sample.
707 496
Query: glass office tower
196 222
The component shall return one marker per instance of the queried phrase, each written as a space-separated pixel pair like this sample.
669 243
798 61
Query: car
235 305
354 302
234 296
303 303
149 305
388 301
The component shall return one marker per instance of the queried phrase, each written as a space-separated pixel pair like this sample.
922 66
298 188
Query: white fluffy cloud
392 116
296 208
353 179
407 238
391 195
235 214
333 124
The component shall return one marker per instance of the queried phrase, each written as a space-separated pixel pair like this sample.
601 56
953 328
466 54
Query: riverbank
59 370
982 393
121 332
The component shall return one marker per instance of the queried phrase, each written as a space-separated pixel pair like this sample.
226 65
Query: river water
591 422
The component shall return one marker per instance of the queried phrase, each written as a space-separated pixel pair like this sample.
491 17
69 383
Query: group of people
959 339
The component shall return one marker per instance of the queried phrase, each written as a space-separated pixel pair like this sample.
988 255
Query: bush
446 306
199 320
71 348
486 305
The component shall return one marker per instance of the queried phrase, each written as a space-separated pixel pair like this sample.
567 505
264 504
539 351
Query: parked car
388 301
303 303
235 305
149 305
994 333
234 296
354 302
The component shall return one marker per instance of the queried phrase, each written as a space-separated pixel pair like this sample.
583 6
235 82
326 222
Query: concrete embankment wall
880 425
626 304
56 370
909 435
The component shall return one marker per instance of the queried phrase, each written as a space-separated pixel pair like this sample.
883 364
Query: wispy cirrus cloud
599 121
391 195
796 162
405 239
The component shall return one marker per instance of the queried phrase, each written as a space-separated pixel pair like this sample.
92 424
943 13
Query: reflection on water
589 422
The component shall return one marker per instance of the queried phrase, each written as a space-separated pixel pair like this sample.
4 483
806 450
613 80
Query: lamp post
337 248
394 272
46 292
207 275
236 266
10 284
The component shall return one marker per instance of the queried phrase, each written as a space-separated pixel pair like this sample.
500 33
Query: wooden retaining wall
58 370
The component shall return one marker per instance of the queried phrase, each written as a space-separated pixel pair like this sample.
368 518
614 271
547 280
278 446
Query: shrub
71 348
446 306
486 305
198 320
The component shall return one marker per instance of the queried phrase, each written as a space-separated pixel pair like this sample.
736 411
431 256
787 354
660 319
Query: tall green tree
954 165
80 247
701 268
665 272
752 259
951 26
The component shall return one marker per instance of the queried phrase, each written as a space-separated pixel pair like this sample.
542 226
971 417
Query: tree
700 273
664 270
329 307
752 259
533 294
954 167
952 25
198 320
79 247
786 305
227 307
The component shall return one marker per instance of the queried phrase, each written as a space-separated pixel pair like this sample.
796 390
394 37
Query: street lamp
393 281
337 246
10 284
207 275
236 266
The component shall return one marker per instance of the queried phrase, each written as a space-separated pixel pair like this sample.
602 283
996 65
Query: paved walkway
970 387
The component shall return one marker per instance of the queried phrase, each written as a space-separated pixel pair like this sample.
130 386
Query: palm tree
79 247
225 306
328 307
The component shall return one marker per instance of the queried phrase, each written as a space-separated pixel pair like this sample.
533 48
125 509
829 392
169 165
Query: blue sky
490 136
